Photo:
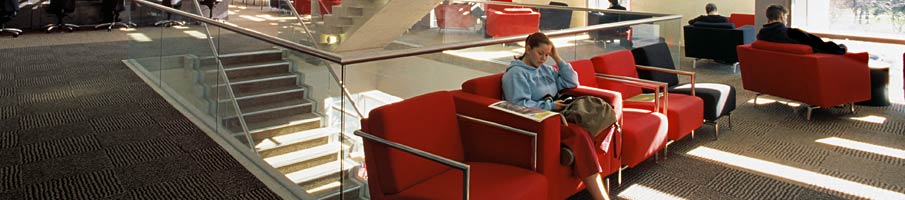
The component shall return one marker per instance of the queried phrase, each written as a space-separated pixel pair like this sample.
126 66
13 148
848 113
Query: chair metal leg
694 63
666 148
852 106
716 132
810 110
729 119
755 98
619 175
735 67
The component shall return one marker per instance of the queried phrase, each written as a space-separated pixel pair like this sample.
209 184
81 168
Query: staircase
365 24
285 126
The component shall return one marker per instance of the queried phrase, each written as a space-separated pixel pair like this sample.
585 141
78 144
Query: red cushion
488 181
487 86
644 133
586 73
617 63
782 47
407 123
741 19
685 113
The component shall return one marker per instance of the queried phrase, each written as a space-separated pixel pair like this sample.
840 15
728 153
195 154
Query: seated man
776 31
711 17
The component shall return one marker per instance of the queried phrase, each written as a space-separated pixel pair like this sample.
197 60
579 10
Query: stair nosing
314 152
276 109
286 76
317 117
346 165
252 66
250 53
298 89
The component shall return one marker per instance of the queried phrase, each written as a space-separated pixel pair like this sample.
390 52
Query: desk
879 82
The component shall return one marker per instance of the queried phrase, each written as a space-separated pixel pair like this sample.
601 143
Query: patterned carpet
775 133
77 124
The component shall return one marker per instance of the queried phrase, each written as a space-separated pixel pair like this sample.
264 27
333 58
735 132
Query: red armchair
454 16
638 141
685 112
420 148
512 21
741 19
795 72
304 6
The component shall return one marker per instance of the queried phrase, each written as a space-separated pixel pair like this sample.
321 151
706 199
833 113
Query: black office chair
61 8
555 19
170 21
110 10
8 10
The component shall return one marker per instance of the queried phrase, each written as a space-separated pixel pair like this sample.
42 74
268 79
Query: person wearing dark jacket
614 5
711 17
776 31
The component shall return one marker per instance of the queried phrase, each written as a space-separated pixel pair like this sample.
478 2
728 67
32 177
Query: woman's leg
594 183
586 164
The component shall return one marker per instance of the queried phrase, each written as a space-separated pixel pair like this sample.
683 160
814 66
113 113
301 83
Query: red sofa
454 16
431 123
512 21
795 72
644 133
741 19
685 112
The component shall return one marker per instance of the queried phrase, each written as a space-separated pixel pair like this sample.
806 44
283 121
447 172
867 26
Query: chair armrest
860 57
466 169
646 84
671 71
510 149
510 129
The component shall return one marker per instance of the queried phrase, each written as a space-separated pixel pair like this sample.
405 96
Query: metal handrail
611 11
384 55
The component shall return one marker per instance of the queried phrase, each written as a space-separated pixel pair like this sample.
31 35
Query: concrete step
330 191
284 150
247 86
245 57
322 174
246 70
295 119
337 20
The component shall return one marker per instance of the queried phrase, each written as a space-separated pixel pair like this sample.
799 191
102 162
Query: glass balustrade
292 109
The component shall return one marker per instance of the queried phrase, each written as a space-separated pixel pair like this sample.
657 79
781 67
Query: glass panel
850 17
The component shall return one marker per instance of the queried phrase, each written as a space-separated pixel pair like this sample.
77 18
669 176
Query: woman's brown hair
534 40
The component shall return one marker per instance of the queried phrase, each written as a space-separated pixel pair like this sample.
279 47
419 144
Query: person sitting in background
776 31
711 17
614 4
529 82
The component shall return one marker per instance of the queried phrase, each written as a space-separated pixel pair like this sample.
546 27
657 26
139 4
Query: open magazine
523 111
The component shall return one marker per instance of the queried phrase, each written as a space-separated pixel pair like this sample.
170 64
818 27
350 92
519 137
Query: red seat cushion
405 122
488 181
685 113
644 133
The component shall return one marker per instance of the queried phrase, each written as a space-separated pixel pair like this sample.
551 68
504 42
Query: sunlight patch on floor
861 146
780 171
871 118
637 191
139 37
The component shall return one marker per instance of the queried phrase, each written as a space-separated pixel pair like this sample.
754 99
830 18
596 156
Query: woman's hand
558 105
554 55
